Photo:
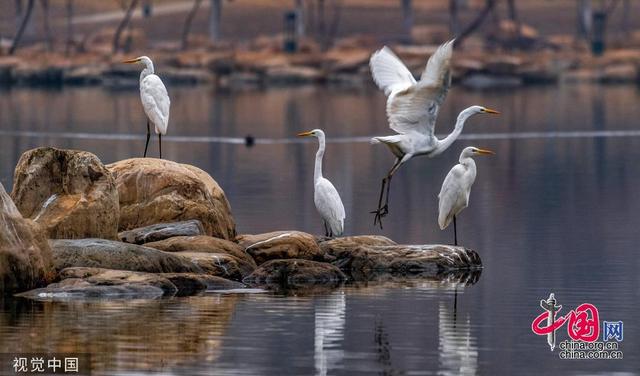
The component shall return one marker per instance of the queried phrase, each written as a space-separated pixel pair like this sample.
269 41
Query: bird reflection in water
329 332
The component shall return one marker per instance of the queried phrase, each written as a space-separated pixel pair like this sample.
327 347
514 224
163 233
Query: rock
219 264
364 261
162 231
69 193
291 75
281 245
583 75
25 256
203 244
84 75
296 272
620 73
189 283
110 277
155 191
109 254
350 242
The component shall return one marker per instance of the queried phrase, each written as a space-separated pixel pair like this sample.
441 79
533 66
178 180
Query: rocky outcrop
109 254
219 264
156 191
364 261
69 193
162 231
281 245
190 283
25 256
202 244
296 273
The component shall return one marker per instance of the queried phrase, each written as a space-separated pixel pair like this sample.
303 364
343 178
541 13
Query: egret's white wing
453 195
388 72
416 108
329 205
156 102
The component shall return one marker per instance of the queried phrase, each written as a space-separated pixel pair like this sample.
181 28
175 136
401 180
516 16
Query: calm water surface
554 211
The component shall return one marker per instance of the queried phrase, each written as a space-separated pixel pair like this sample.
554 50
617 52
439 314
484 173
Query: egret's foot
380 213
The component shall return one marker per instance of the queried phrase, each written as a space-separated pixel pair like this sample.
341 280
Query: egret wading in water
155 100
325 195
412 109
454 195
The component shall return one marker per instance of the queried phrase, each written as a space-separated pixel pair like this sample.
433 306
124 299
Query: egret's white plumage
412 109
456 188
155 99
325 196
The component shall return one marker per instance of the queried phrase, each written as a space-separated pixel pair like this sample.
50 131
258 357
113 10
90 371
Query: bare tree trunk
489 5
335 22
320 32
187 24
45 24
584 19
512 11
407 20
69 42
300 18
626 12
18 13
123 24
215 15
23 24
454 25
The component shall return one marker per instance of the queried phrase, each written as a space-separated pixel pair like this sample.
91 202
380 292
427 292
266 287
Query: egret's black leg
455 231
377 212
146 145
383 210
160 143
326 230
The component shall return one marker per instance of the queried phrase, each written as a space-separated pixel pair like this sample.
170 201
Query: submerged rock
155 191
202 244
162 231
25 256
189 283
281 245
219 264
109 254
296 272
365 261
69 193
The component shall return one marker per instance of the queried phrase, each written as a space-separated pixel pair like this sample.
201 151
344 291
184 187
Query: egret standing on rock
325 195
454 195
155 100
412 109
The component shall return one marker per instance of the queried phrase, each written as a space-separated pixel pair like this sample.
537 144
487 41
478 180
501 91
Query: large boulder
202 244
281 245
162 231
296 273
69 193
109 254
155 191
364 261
25 256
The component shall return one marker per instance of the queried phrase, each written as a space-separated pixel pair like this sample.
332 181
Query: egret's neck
317 173
469 164
447 141
148 69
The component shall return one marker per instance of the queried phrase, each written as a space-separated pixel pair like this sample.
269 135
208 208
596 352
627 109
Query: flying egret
325 195
454 195
155 100
412 109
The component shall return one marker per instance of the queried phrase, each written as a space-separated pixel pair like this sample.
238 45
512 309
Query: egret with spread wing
155 100
325 195
454 195
412 109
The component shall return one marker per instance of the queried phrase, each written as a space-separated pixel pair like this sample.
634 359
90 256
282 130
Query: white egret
325 195
412 109
454 195
155 100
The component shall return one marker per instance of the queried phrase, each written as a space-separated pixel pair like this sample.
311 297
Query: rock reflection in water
134 335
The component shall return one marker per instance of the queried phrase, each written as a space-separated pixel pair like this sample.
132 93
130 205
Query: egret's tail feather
374 141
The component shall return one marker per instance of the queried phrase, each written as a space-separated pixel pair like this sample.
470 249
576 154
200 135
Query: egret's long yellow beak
485 152
305 134
131 61
490 111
